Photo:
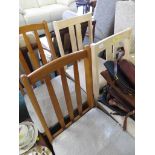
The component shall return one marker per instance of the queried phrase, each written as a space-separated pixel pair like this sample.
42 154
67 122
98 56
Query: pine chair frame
30 50
43 74
34 28
74 26
109 44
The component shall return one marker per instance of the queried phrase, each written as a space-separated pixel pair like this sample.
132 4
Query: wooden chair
109 46
75 33
88 131
33 64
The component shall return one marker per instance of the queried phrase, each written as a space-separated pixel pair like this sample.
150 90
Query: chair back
110 45
32 55
32 62
43 74
75 31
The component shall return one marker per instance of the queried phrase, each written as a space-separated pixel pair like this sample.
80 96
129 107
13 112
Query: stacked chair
40 88
109 46
75 33
87 131
65 107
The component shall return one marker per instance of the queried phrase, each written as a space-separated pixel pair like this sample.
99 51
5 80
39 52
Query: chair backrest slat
79 36
32 55
77 88
72 38
40 48
36 106
24 63
43 74
89 84
67 94
90 31
49 40
110 46
55 102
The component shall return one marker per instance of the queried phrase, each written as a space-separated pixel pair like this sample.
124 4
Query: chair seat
46 106
102 81
94 134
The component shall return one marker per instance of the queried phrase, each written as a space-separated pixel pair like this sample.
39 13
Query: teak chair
109 45
75 33
40 88
89 131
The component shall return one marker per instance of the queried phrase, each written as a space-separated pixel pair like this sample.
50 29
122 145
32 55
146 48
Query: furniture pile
65 107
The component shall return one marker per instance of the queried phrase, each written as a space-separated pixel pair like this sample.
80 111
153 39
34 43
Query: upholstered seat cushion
102 81
94 134
45 103
48 13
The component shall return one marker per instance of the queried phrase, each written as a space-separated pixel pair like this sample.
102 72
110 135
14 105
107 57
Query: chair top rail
72 21
32 27
113 39
58 63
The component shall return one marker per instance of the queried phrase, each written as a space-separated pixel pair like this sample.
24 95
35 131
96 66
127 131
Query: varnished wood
31 52
24 63
43 73
40 48
49 40
55 102
32 27
67 94
77 88
88 77
21 88
56 64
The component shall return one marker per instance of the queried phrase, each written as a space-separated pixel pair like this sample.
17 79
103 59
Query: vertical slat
72 38
41 51
67 93
79 36
21 88
90 31
77 88
88 77
109 52
55 102
31 52
95 72
49 40
57 33
127 47
36 106
24 63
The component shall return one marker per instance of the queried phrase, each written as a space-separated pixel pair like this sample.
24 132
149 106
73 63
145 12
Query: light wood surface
110 44
74 26
32 55
43 73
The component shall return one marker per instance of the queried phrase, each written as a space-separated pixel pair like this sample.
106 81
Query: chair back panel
34 28
29 56
43 74
110 45
74 26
